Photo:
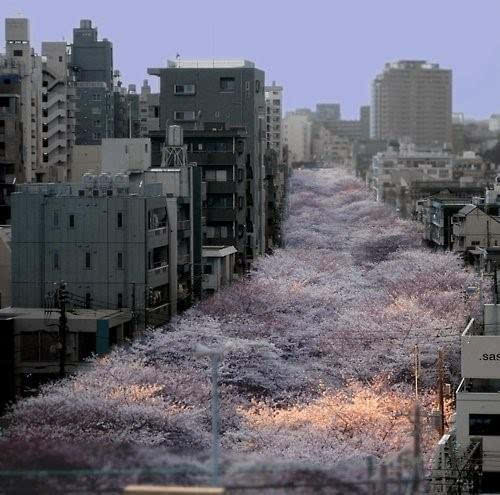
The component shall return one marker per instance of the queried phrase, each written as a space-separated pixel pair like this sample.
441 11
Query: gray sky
319 50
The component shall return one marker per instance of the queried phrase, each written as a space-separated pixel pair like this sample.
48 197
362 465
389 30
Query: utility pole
133 310
441 393
415 486
63 328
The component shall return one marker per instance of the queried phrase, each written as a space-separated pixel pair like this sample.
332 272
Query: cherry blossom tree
318 347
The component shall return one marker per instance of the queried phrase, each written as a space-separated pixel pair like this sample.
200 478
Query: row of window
226 84
56 264
71 220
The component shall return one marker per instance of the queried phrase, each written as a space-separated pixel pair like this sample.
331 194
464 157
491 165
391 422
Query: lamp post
215 356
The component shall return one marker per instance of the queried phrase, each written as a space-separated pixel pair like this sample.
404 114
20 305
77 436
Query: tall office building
274 112
411 100
297 133
364 118
92 59
222 95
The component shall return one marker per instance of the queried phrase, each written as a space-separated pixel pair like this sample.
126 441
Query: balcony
158 275
221 215
228 187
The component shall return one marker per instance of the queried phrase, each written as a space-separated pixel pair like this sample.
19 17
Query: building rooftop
210 64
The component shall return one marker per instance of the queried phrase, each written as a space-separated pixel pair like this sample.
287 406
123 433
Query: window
97 97
56 219
72 221
184 116
97 123
120 300
45 84
207 269
227 84
184 89
45 97
88 300
45 143
18 53
60 58
484 424
56 261
87 260
45 113
257 86
119 220
96 135
96 111
119 261
145 147
45 158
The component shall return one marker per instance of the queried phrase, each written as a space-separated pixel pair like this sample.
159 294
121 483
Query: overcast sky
319 50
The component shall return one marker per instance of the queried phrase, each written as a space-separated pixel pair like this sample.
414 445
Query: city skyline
357 39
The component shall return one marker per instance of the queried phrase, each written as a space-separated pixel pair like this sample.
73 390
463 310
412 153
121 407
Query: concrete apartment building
222 95
126 122
297 137
20 106
92 60
412 99
274 112
112 241
472 444
58 114
149 110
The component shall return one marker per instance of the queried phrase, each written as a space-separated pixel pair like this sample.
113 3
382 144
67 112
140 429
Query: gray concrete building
221 94
328 112
412 100
149 110
274 114
114 243
58 114
92 60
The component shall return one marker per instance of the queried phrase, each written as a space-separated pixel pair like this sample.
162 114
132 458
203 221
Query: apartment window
96 97
207 269
88 300
96 135
18 53
216 175
257 86
484 424
45 158
72 221
145 147
56 261
119 220
45 97
45 84
87 260
97 123
45 143
60 58
227 84
45 113
120 300
184 89
184 116
119 261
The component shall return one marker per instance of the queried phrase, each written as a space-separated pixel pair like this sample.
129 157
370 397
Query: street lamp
215 356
